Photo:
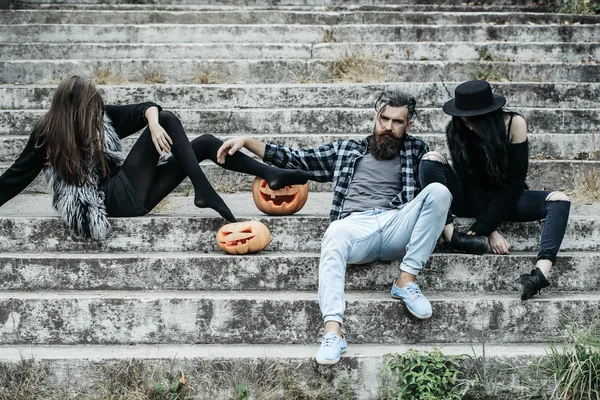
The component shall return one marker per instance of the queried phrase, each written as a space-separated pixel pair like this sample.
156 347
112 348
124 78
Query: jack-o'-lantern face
243 237
284 201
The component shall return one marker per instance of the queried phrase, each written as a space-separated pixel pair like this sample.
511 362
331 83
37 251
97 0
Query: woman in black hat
490 153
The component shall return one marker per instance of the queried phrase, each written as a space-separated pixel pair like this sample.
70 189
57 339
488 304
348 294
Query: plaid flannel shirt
335 162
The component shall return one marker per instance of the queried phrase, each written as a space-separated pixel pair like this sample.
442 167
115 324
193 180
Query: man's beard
385 146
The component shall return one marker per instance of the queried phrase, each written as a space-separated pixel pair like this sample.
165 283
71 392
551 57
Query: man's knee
336 234
438 193
557 196
435 156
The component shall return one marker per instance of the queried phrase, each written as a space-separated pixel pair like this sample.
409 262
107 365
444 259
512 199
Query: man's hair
396 98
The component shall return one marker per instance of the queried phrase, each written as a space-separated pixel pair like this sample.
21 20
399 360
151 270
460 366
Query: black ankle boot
468 243
531 284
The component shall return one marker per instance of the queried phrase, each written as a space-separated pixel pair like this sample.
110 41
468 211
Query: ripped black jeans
531 206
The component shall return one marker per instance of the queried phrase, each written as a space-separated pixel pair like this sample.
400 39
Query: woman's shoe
530 284
472 244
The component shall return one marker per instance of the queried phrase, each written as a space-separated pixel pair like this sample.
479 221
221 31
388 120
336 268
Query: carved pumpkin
284 201
243 237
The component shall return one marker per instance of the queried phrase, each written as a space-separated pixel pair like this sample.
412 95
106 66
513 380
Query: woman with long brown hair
78 145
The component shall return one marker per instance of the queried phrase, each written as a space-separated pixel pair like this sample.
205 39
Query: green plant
485 55
577 7
241 391
574 369
424 376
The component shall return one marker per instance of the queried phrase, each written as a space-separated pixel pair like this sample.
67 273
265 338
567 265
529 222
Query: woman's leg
151 182
206 146
554 208
434 167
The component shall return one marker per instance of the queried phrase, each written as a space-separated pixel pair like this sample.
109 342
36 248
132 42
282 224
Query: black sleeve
23 171
129 119
508 195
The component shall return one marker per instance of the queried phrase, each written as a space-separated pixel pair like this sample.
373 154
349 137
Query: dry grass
103 76
357 67
329 35
587 186
208 76
151 75
490 73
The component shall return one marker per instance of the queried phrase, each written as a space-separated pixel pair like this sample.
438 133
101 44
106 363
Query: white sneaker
332 347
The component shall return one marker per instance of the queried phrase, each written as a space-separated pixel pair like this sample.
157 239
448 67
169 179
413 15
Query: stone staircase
158 289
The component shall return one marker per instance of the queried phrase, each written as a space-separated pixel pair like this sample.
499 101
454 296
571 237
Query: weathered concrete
295 71
514 52
348 95
213 371
194 230
284 15
551 146
328 121
279 317
272 271
173 33
543 174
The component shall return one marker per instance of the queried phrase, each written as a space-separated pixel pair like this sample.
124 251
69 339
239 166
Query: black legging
531 206
154 182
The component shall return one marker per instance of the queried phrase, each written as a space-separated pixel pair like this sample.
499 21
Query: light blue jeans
410 232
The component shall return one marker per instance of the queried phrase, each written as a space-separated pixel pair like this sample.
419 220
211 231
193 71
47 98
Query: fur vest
82 207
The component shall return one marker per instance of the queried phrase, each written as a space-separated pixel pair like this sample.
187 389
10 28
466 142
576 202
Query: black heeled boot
531 284
472 244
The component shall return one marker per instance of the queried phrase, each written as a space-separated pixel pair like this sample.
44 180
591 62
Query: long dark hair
493 140
73 131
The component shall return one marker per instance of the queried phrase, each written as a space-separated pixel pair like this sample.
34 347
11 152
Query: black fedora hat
473 98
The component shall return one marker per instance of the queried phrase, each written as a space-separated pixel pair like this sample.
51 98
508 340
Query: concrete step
310 16
29 224
292 317
213 371
235 33
348 95
312 3
272 271
401 51
346 7
293 71
284 121
543 174
556 146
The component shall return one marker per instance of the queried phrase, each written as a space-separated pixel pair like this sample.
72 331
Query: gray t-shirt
374 184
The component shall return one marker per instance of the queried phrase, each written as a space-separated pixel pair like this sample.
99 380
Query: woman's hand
229 148
498 243
161 140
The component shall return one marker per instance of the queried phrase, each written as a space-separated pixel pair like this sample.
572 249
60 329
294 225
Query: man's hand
498 243
229 148
161 140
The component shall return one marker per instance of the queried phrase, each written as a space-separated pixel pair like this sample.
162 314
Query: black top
126 120
491 201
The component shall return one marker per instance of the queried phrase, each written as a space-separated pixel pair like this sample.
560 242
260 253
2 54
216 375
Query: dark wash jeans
531 206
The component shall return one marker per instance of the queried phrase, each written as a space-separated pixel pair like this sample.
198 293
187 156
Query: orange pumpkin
243 237
284 201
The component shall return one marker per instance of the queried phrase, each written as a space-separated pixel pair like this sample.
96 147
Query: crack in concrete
228 121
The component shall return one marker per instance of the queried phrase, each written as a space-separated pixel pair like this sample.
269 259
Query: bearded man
379 212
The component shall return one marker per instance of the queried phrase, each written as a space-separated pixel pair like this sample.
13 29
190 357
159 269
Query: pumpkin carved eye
243 237
285 201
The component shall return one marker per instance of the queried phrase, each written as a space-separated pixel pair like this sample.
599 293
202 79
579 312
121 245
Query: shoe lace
414 291
329 341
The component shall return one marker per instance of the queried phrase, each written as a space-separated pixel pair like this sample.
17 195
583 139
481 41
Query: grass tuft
357 68
103 76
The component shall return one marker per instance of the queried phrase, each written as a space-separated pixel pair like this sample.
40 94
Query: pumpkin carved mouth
279 197
234 239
